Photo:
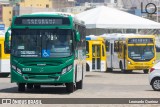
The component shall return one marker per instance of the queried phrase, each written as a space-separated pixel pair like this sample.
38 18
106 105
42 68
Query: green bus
46 49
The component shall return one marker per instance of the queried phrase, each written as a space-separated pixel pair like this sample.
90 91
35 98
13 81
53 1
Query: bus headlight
14 67
87 56
69 68
153 62
129 62
66 69
19 71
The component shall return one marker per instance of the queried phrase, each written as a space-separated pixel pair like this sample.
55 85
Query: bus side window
87 47
115 46
107 45
118 47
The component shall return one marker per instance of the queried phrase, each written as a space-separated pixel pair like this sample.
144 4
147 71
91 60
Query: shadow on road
119 72
152 90
42 90
116 71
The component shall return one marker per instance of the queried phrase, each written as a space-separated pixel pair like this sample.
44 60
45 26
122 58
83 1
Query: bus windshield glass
41 43
139 53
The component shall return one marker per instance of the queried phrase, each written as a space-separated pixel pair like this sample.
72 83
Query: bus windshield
41 43
139 53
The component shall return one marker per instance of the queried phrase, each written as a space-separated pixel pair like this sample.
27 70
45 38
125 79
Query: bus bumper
42 79
139 66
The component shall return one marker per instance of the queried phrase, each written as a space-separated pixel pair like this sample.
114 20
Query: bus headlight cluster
129 62
66 69
153 62
87 56
17 69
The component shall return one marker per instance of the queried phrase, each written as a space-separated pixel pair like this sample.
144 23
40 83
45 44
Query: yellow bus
130 52
95 54
4 60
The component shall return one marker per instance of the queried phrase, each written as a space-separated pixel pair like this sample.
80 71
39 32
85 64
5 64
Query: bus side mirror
77 38
7 46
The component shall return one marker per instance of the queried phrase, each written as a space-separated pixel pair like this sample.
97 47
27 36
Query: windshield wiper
54 32
144 48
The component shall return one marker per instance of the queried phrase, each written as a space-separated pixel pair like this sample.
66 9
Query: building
73 10
63 3
90 1
12 2
31 6
6 13
36 3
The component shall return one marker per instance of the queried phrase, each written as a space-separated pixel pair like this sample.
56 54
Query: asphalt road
96 85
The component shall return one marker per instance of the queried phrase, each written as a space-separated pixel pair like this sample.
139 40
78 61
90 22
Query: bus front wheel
109 69
4 74
37 86
121 67
29 86
70 87
21 87
146 71
79 85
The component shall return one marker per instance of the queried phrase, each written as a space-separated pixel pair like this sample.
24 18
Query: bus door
0 58
115 61
111 55
96 57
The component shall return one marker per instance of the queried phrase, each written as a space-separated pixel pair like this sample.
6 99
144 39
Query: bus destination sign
41 21
140 40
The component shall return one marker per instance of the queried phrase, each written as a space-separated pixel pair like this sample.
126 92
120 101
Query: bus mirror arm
7 42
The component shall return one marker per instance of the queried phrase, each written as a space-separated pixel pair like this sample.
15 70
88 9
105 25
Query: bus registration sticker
46 53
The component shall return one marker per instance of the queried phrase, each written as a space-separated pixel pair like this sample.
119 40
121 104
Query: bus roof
56 13
74 20
117 36
93 37
64 14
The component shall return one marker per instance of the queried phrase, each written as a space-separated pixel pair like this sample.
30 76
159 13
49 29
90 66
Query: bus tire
128 71
109 69
37 86
146 71
79 85
4 75
21 87
87 67
70 87
121 67
29 86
